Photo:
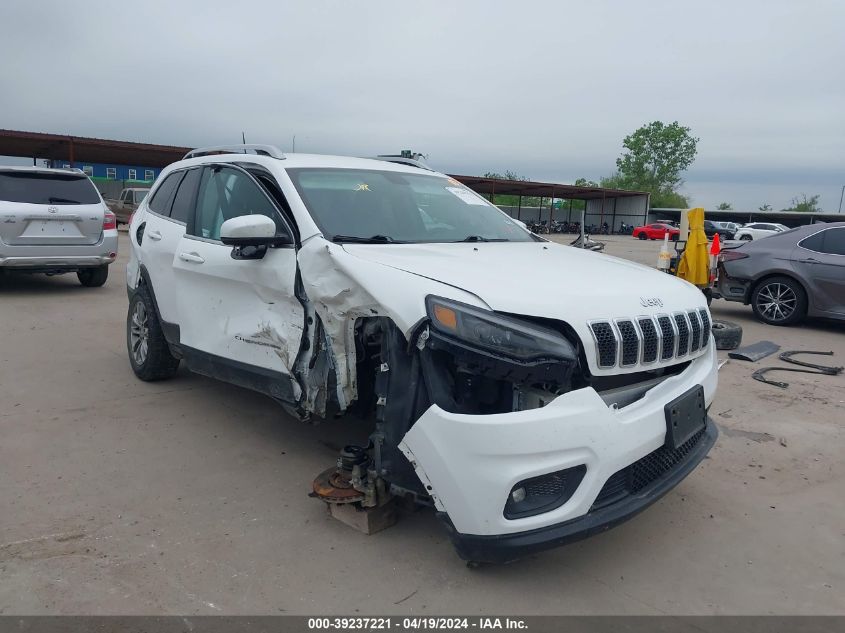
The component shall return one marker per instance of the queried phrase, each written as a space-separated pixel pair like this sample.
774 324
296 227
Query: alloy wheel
776 301
139 333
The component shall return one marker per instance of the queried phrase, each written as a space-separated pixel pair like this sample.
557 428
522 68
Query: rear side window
183 203
47 188
831 241
163 196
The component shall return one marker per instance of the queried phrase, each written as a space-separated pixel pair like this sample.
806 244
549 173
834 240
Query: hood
542 279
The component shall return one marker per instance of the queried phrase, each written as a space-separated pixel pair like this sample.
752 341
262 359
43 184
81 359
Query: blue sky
545 89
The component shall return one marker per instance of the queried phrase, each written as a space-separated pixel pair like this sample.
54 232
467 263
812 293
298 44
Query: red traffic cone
715 247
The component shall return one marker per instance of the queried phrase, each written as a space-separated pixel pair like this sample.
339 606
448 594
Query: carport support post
70 151
551 210
613 222
519 207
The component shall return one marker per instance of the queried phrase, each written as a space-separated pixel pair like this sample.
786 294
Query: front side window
47 188
227 193
400 207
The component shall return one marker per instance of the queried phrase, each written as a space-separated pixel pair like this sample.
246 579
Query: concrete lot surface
189 496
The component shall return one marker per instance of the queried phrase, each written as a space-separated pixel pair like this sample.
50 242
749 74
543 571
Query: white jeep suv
529 391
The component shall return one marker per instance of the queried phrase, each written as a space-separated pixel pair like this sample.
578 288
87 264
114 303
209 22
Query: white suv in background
529 409
55 221
759 230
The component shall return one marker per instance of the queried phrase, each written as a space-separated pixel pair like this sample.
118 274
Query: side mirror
251 230
251 235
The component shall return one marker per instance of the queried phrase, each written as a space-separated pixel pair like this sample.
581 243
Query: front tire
149 354
642 236
93 277
779 301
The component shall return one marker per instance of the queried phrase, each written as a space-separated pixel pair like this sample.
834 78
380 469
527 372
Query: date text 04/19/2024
414 623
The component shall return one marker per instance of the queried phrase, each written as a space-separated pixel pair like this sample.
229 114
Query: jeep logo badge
52 209
651 302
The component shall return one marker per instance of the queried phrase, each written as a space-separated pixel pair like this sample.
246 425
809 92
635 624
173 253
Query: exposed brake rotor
335 486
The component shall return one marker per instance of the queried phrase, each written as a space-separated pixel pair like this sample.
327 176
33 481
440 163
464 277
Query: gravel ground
189 496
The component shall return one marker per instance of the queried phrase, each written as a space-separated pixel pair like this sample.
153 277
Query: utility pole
840 198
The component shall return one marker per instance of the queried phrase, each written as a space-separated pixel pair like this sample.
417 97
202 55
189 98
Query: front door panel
243 311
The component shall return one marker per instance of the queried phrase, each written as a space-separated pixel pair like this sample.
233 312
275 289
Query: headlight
482 328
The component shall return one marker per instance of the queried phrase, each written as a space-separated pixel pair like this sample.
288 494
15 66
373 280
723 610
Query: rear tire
93 277
149 353
779 301
728 335
746 238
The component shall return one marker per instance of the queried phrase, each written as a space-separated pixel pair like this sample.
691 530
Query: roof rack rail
262 150
402 160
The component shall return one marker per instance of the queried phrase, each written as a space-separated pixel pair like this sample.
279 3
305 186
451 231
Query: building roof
81 149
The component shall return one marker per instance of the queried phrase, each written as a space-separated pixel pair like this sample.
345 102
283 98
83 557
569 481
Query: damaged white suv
526 390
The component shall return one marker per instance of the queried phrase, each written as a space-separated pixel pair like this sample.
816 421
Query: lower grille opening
644 472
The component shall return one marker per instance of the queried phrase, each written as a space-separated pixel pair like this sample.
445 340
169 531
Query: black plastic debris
755 351
824 370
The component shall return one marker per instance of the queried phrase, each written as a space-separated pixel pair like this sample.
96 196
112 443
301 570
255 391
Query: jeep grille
644 340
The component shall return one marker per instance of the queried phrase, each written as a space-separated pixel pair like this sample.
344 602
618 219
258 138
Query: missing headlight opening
462 359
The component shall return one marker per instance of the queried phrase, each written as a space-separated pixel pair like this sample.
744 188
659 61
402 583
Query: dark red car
656 231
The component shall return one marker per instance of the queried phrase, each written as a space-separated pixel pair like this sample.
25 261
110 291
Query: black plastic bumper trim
505 548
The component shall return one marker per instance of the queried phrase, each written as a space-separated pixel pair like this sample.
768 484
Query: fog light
544 493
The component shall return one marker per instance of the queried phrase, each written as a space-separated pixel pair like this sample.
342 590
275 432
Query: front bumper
509 547
470 463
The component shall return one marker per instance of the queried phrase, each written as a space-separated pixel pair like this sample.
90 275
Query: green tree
511 201
805 204
656 155
765 207
669 200
724 206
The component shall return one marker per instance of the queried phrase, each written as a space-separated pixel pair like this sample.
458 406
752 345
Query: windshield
387 206
46 188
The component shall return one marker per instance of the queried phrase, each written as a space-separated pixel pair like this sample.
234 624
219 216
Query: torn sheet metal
755 351
342 288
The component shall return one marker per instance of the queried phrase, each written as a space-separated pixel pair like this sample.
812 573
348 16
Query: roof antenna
243 138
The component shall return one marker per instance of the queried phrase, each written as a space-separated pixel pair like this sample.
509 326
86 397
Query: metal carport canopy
502 187
81 149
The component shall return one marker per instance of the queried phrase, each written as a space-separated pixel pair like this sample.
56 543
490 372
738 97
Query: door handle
809 260
191 257
154 235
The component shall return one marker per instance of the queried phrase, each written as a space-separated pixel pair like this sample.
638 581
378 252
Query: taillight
109 221
729 256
